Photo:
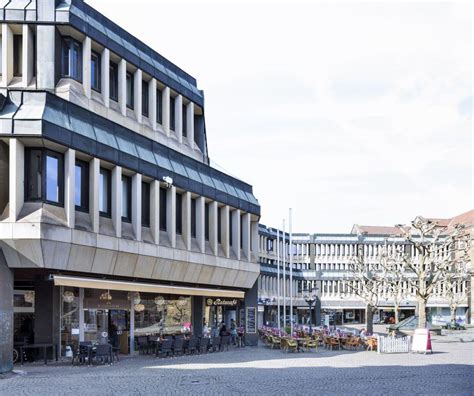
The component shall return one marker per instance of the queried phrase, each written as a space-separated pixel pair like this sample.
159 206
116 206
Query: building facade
321 269
112 224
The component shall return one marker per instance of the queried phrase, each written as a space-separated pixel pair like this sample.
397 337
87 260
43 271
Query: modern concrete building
321 268
112 222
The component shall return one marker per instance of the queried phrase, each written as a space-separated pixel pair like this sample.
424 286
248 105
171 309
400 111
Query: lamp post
310 300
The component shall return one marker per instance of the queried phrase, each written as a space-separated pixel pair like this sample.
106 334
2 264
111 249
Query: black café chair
178 346
225 342
216 344
204 345
164 347
143 346
82 353
192 346
103 353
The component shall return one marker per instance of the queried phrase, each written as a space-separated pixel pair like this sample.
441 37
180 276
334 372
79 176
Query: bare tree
456 287
437 252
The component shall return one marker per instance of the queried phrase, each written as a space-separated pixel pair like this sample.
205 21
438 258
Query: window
95 71
145 98
105 184
193 217
206 221
159 106
130 98
81 191
44 176
219 228
230 229
179 214
184 123
242 235
113 81
17 55
172 113
163 208
145 204
126 198
71 58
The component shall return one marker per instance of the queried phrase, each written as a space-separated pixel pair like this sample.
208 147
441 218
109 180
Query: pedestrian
205 330
223 330
233 331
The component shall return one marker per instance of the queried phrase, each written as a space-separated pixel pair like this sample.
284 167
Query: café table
44 347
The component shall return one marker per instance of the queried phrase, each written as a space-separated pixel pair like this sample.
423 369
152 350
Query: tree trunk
370 319
453 315
421 313
397 314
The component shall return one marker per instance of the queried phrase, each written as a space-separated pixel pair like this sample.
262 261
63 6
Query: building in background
112 222
321 267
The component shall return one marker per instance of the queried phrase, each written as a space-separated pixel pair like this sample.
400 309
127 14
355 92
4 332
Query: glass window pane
78 186
104 191
52 179
126 197
34 176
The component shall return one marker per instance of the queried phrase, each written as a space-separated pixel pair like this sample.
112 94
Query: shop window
126 199
145 204
44 176
81 191
113 81
179 214
206 221
172 113
71 58
130 88
17 55
145 98
219 225
163 208
95 71
105 187
159 106
193 217
184 121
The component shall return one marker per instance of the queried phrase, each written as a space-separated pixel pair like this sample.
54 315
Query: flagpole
284 275
291 273
278 279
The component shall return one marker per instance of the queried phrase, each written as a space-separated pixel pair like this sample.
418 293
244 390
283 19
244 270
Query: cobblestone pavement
449 371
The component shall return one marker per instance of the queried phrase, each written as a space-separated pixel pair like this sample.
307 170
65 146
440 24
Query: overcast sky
348 113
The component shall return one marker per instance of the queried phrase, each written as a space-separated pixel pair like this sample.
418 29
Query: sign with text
421 341
251 320
220 302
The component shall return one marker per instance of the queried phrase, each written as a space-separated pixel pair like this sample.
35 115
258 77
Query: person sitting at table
363 333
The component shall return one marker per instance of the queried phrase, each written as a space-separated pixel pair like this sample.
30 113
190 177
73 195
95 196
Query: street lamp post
310 300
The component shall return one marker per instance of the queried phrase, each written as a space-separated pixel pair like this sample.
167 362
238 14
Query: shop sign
221 302
261 308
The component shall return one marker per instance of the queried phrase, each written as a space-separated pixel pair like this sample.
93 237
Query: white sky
346 112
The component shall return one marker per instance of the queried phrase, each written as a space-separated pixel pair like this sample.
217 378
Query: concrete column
16 178
81 314
213 226
105 76
94 174
137 93
132 327
7 54
225 230
28 56
117 200
246 236
45 57
254 238
166 110
122 86
137 205
6 316
251 303
200 223
69 186
171 215
236 232
186 219
86 66
190 123
152 103
155 210
197 315
178 123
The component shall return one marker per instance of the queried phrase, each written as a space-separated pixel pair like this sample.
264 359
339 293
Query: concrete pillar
122 86
69 186
105 76
190 123
197 315
171 215
117 200
137 94
86 66
6 316
94 174
213 226
137 205
225 230
236 232
155 210
132 326
45 57
178 111
16 178
46 10
254 239
166 110
186 219
251 306
246 236
152 103
28 56
46 324
200 223
81 314
7 54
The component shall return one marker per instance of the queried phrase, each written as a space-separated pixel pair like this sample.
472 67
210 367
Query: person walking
233 331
